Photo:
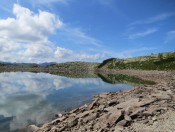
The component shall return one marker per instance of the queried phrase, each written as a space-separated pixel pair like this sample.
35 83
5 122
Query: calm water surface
27 98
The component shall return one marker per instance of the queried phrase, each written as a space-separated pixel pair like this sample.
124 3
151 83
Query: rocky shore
144 108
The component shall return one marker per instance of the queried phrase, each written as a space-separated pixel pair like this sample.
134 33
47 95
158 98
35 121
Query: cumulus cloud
27 26
25 38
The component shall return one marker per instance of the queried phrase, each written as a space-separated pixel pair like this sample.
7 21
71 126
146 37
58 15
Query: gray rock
137 112
32 128
127 118
154 118
90 117
86 113
122 123
103 95
145 121
113 102
101 107
54 129
118 128
72 122
115 117
93 104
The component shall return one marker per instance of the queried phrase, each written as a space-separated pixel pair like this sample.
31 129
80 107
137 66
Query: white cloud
170 36
157 18
80 37
24 38
28 26
50 1
69 55
143 33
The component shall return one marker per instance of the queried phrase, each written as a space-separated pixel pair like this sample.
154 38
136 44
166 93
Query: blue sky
77 30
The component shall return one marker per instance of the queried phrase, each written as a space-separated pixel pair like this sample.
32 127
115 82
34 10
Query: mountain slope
161 61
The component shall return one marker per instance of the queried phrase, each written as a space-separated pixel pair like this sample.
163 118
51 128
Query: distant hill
161 61
47 63
75 65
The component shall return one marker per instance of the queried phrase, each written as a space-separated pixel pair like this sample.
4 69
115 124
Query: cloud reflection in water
36 97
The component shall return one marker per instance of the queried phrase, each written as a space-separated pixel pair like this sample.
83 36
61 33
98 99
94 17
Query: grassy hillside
75 65
161 61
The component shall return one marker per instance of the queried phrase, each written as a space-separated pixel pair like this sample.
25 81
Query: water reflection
28 98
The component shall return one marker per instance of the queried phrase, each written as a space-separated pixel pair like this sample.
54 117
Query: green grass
161 61
76 65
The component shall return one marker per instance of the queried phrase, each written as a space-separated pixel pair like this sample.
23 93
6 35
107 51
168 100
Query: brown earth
145 108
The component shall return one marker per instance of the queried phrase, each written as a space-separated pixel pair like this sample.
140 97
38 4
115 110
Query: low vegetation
75 65
161 61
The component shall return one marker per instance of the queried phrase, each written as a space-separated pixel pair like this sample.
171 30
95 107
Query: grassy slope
161 61
76 65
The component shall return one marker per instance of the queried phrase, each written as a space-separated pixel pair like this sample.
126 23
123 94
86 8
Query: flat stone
118 128
102 121
72 122
56 121
115 117
32 128
122 123
129 110
154 118
146 102
113 102
90 117
93 104
103 95
152 110
131 102
137 112
162 96
54 129
74 111
127 118
101 107
145 121
86 113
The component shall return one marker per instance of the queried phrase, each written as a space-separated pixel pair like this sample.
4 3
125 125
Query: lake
34 98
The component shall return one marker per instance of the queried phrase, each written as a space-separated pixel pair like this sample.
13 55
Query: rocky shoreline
143 108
